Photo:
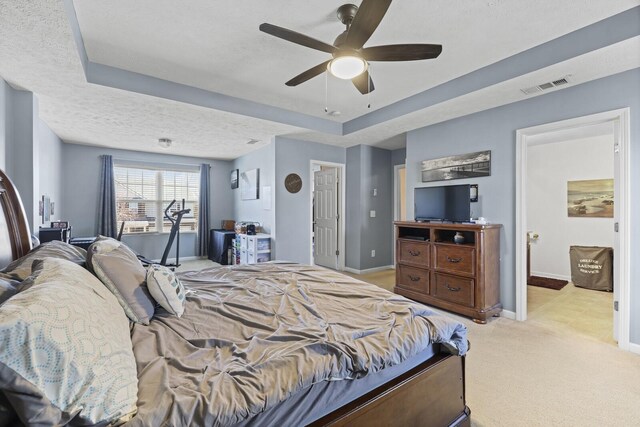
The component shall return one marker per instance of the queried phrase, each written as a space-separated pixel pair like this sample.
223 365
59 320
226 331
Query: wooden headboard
15 237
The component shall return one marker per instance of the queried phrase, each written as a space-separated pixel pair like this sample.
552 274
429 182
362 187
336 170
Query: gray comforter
253 335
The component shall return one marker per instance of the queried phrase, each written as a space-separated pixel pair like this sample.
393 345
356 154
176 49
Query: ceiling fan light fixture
347 67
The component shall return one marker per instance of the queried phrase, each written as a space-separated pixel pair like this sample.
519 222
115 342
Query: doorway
327 200
570 205
618 123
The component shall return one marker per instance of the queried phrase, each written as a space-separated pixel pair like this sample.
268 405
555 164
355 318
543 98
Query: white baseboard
551 275
182 258
369 270
634 348
508 314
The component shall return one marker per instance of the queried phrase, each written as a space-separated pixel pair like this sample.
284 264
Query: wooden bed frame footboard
431 395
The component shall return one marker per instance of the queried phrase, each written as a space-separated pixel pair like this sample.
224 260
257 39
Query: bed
272 344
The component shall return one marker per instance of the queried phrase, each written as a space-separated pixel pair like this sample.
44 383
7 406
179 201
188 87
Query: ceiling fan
350 59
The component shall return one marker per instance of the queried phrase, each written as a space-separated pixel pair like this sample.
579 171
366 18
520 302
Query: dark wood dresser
463 278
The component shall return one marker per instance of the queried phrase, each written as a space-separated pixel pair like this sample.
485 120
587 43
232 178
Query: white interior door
325 218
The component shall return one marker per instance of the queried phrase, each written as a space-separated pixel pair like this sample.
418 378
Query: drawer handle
414 278
452 289
414 253
454 260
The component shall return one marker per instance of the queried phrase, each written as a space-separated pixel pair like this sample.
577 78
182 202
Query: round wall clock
293 183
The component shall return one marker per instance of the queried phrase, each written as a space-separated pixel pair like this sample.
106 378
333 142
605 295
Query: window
143 194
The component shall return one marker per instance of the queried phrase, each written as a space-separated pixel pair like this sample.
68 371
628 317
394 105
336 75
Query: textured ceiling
216 46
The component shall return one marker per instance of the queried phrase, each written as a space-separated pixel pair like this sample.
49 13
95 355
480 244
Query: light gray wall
376 174
21 160
81 183
495 130
399 156
30 151
253 210
369 168
50 165
354 221
293 216
4 88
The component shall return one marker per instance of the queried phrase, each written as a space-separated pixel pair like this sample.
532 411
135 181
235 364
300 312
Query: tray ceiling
216 46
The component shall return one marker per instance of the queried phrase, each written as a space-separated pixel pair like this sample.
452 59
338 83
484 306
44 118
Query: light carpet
196 264
546 371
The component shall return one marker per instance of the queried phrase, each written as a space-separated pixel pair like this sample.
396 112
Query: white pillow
166 289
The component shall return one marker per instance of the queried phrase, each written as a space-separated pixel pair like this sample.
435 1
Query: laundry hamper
592 267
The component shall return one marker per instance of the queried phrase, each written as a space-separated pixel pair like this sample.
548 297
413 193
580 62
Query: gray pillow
120 270
8 288
20 269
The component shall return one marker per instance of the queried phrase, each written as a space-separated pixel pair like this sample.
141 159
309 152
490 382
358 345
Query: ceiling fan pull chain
326 91
369 87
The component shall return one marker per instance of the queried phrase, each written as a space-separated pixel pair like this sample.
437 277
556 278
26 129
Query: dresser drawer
416 253
459 290
457 259
416 279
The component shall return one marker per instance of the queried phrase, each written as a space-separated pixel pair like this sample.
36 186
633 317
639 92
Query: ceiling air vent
531 90
545 86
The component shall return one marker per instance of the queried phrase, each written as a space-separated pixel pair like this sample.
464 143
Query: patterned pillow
120 270
166 289
65 349
20 269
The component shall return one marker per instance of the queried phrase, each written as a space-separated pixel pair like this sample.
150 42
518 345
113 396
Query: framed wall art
472 165
590 198
234 179
249 184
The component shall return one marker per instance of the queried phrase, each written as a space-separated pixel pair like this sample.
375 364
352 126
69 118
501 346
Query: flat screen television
445 203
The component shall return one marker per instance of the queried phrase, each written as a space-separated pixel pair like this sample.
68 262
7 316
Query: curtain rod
157 165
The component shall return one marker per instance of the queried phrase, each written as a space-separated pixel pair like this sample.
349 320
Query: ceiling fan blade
363 83
309 74
297 38
401 52
367 19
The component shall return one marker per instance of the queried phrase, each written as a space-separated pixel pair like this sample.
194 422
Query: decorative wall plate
293 183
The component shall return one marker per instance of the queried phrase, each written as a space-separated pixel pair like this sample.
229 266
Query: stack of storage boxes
252 249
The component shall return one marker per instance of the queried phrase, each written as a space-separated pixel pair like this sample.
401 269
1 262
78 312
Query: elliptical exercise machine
175 218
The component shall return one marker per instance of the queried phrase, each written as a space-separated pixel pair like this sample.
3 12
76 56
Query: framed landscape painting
472 165
590 198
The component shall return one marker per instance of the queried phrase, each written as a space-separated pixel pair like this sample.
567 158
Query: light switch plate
372 214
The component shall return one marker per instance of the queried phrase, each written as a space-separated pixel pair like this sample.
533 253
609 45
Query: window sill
156 233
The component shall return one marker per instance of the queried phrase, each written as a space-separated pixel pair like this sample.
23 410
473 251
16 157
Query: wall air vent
545 86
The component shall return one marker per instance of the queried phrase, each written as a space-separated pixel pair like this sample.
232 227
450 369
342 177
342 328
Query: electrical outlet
373 253
372 214
375 192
